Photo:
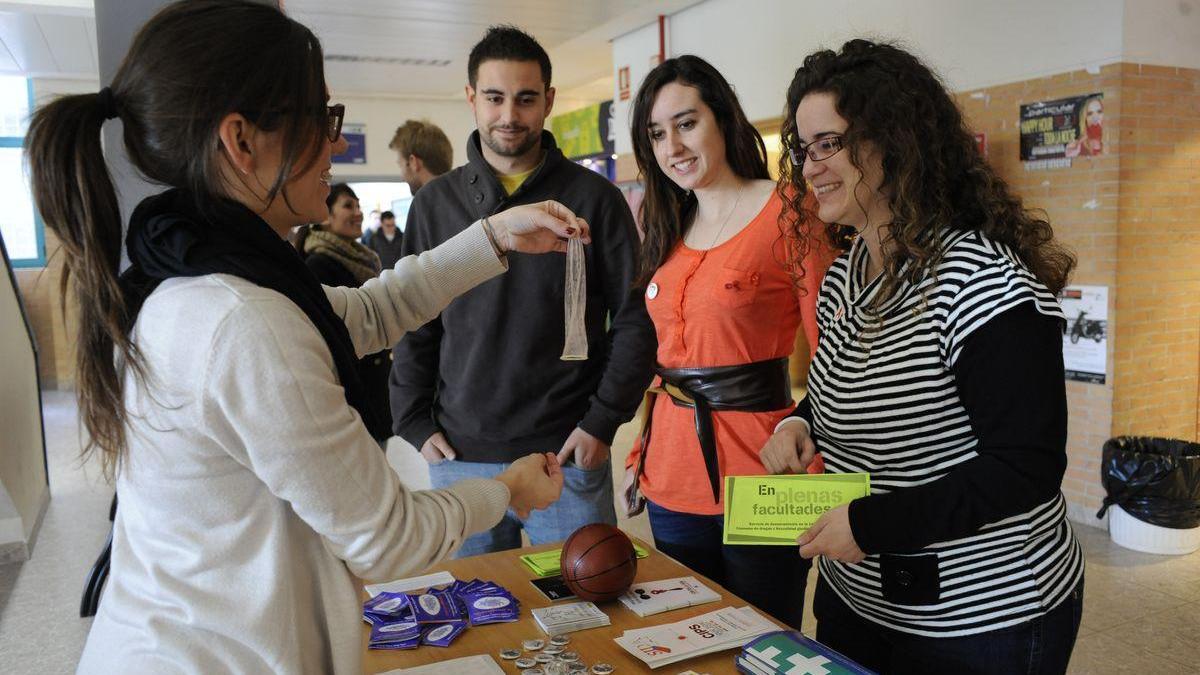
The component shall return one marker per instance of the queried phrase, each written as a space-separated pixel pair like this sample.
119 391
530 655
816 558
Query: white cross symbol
767 655
813 665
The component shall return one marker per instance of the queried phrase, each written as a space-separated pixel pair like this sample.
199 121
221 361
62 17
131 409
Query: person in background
939 373
332 252
216 376
460 384
369 227
730 285
422 152
388 240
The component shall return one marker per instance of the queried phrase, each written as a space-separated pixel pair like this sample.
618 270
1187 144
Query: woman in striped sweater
940 373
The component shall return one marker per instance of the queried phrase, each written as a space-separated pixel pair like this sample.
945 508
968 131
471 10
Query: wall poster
356 142
1085 337
1054 132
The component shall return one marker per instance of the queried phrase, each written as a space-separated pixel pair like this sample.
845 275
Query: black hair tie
107 103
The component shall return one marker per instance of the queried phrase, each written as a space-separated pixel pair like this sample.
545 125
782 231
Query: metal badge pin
652 291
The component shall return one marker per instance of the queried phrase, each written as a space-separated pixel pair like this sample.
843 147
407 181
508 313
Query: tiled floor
1141 611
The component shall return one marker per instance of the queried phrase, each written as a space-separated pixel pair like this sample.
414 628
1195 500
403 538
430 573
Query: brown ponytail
192 64
75 196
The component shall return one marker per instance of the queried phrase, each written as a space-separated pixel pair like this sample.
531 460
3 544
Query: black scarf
170 237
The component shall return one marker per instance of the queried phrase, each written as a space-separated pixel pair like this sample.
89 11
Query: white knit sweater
252 493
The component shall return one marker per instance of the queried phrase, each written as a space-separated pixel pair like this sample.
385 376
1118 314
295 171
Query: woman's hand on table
534 482
831 537
789 450
537 228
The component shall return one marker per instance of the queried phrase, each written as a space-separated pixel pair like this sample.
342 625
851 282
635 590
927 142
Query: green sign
774 510
583 132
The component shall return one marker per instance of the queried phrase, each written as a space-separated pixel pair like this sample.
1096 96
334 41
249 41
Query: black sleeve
1010 380
803 411
415 359
632 342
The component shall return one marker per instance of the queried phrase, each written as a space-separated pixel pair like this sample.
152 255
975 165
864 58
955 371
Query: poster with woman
1062 129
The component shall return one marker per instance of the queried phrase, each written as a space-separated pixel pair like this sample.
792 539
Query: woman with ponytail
216 376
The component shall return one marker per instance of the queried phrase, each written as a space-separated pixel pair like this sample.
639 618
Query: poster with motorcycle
1085 337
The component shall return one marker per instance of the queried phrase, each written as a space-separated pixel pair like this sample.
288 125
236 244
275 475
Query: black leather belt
761 386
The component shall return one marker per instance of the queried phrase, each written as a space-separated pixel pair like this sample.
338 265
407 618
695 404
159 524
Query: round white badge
652 291
492 602
389 605
430 604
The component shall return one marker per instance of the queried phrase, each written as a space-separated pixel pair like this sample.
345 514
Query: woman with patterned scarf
335 256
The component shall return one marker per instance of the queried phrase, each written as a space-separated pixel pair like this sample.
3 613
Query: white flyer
722 629
1085 336
411 583
467 665
653 597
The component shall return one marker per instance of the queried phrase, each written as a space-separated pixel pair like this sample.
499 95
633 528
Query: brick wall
1158 273
1133 218
1082 203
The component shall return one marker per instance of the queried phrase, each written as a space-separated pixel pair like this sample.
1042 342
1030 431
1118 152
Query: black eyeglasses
818 151
334 115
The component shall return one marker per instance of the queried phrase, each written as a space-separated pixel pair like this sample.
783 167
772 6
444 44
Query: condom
575 348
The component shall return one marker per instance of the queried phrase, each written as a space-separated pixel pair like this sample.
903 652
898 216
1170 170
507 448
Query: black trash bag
1156 480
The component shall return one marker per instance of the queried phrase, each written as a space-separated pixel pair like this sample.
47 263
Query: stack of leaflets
652 597
790 653
570 617
437 616
547 563
716 631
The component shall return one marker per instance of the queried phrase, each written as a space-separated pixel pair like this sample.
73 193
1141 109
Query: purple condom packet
443 634
434 607
491 607
395 631
401 644
388 605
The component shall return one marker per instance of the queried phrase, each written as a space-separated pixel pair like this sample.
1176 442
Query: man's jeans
587 497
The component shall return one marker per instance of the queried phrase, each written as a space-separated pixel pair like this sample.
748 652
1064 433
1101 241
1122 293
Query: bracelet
491 235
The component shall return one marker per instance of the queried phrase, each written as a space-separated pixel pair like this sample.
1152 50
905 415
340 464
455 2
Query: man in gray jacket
483 384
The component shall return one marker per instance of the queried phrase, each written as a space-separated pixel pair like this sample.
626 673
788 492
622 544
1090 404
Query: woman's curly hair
934 176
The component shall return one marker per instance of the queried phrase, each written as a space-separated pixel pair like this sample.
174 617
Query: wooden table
594 645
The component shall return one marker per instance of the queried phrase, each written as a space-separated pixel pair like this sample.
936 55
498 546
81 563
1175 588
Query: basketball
598 562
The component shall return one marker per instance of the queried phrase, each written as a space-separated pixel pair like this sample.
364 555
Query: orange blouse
733 304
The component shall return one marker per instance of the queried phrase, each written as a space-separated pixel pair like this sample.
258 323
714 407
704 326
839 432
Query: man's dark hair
507 43
387 214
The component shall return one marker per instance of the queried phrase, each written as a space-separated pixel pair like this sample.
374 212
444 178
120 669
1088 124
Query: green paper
774 510
546 563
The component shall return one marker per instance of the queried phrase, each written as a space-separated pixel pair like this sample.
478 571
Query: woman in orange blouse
729 284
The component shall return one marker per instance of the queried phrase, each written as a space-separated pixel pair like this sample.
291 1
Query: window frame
39 227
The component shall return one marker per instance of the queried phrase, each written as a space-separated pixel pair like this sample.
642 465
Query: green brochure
546 563
774 510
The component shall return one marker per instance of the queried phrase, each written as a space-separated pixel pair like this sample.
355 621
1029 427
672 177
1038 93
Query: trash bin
1153 487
